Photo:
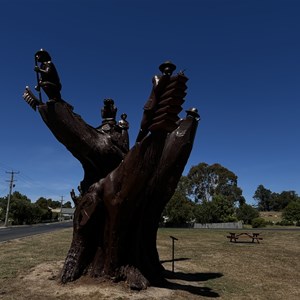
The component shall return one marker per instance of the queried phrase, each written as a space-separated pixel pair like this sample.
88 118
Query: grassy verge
206 264
19 255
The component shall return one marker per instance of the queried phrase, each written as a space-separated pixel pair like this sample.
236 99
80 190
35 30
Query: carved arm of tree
98 151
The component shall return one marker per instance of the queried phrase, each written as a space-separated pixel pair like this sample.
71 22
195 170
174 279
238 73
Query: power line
29 182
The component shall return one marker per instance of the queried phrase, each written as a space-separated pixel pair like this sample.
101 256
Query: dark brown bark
124 193
99 152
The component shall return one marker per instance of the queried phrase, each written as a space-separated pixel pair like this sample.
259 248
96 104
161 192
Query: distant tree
42 203
37 214
215 189
220 209
246 213
48 203
264 198
68 204
205 212
267 200
55 203
242 201
20 211
18 195
45 206
224 208
281 201
292 212
179 210
3 204
47 215
206 181
183 186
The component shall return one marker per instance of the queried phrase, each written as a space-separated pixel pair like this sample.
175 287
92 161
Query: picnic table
234 236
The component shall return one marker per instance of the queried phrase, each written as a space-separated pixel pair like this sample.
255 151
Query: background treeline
208 194
23 211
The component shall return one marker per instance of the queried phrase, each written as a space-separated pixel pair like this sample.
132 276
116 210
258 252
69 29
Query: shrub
285 223
258 222
247 213
269 223
292 212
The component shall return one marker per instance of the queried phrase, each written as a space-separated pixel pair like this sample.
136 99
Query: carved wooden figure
123 192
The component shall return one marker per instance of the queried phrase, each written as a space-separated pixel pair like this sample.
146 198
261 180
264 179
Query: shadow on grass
171 260
190 277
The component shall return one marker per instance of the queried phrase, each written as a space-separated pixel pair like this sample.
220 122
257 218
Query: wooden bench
234 236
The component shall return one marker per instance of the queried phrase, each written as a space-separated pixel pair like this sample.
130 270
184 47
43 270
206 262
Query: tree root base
134 278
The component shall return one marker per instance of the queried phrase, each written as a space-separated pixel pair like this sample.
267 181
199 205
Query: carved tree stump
123 192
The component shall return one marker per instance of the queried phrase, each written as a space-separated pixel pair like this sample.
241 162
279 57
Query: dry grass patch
207 266
20 255
269 270
271 216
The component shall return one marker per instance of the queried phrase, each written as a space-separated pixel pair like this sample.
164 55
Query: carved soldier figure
109 111
123 123
49 79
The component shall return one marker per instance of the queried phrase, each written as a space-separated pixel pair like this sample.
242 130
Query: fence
229 225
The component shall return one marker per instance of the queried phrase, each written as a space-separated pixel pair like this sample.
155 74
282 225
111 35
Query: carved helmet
167 67
42 55
193 112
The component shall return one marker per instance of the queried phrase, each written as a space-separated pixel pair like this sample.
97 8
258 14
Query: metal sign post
173 251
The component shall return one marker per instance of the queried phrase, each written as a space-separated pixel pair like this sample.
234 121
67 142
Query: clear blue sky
242 58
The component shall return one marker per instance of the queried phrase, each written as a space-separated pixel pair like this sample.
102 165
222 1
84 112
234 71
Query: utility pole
61 204
11 185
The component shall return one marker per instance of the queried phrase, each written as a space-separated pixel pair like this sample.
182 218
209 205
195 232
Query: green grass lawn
206 265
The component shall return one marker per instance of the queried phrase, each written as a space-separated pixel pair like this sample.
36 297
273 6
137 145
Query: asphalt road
15 232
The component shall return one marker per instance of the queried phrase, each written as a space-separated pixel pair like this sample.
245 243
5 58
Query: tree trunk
123 192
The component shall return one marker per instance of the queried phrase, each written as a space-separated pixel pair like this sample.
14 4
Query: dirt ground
42 283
